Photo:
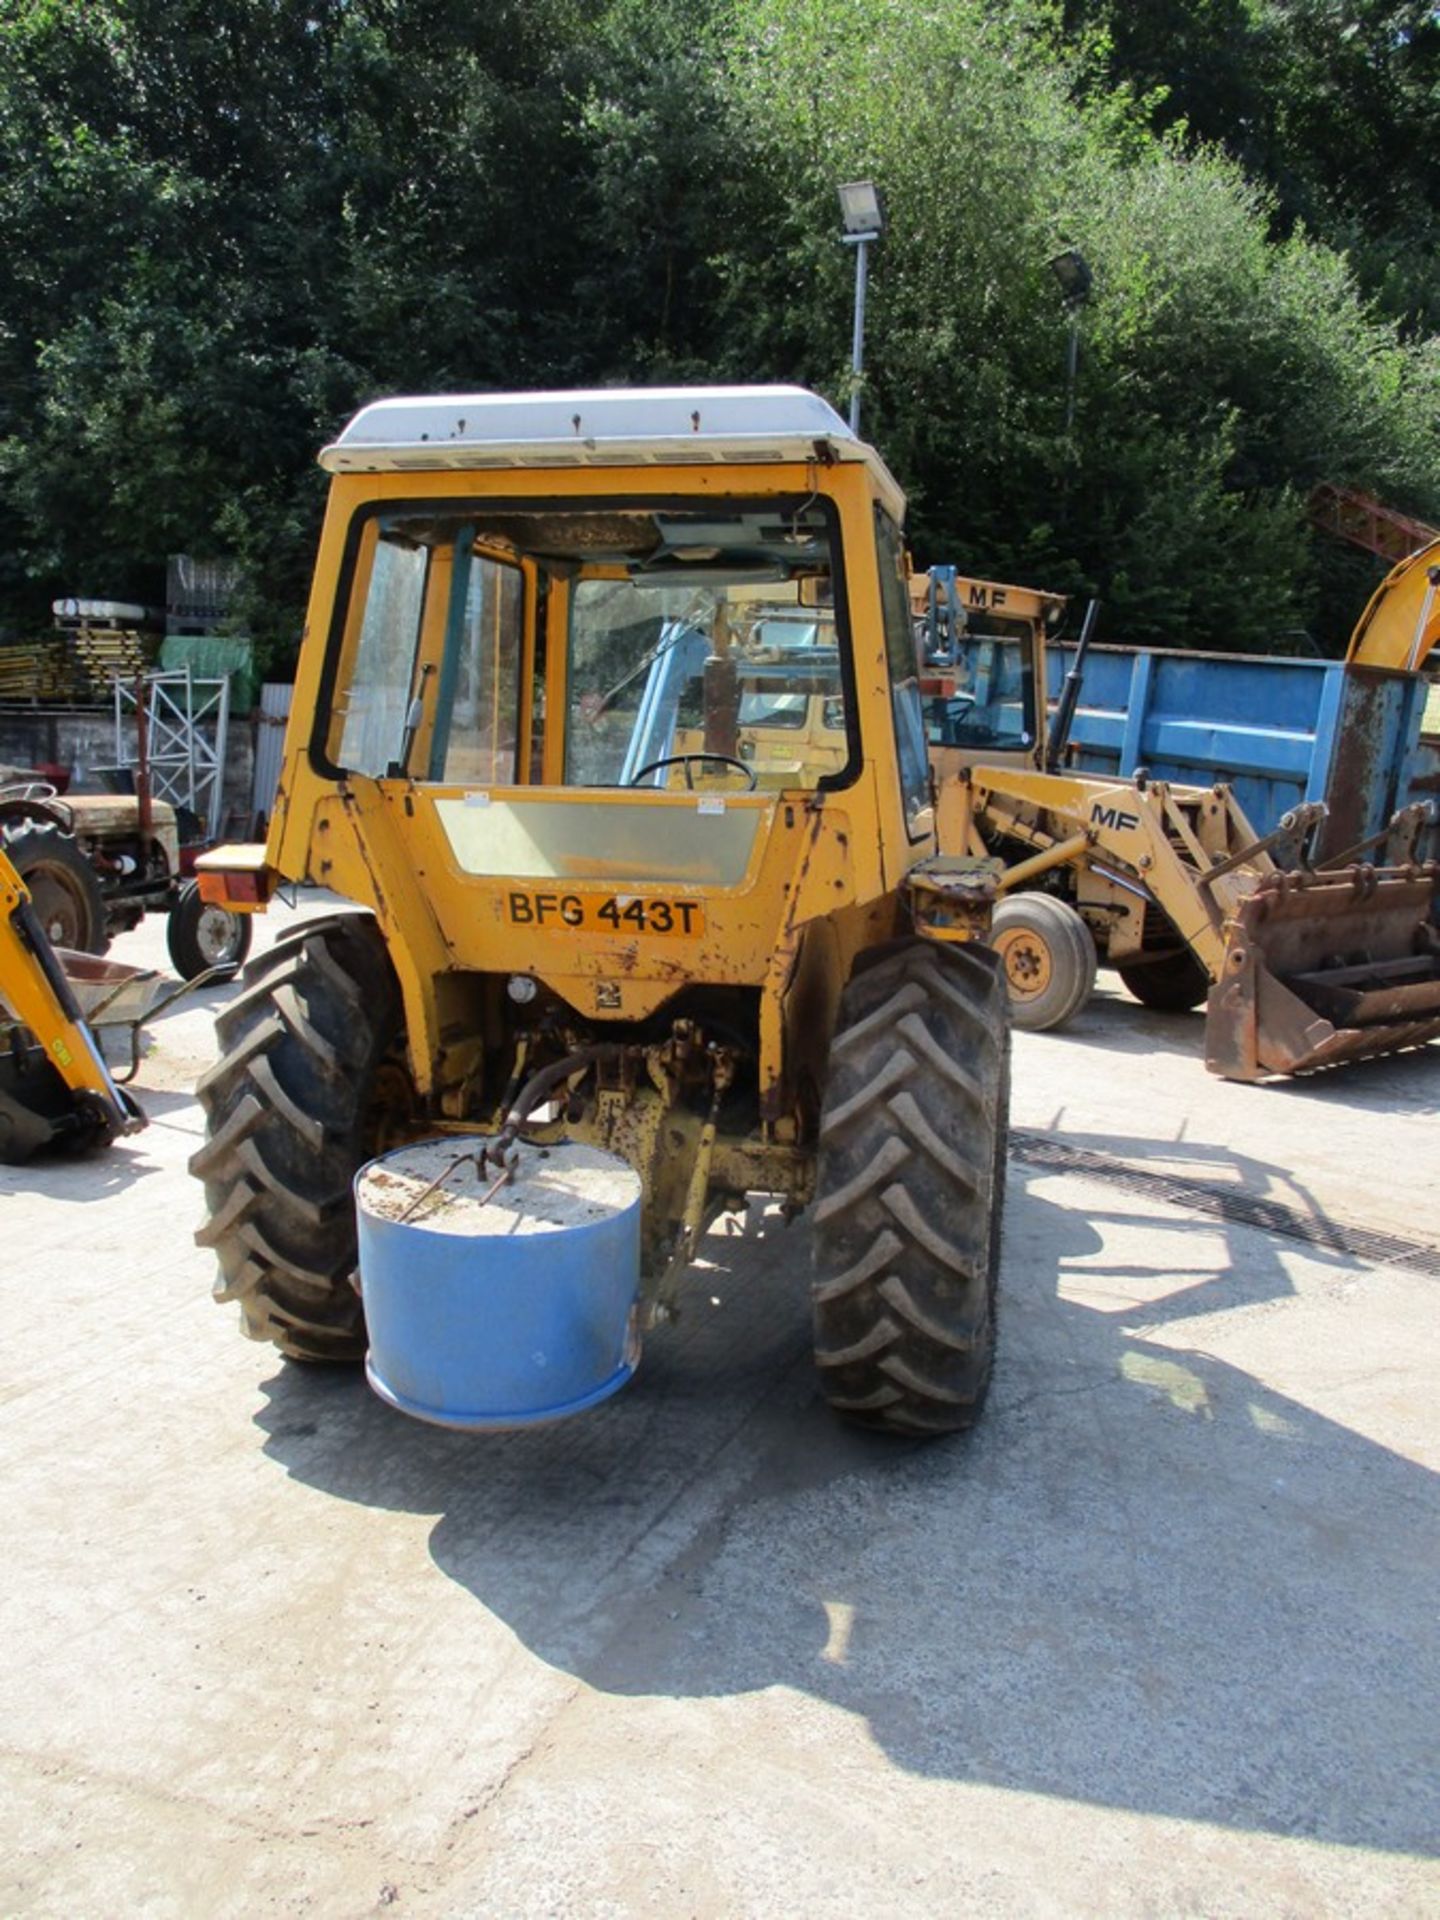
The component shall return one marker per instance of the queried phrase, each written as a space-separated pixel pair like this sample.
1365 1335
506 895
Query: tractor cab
588 678
982 652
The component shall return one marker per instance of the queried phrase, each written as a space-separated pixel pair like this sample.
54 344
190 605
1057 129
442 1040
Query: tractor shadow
1175 1192
1147 1580
98 1173
81 1178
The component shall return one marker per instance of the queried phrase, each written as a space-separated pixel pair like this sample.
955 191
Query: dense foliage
225 224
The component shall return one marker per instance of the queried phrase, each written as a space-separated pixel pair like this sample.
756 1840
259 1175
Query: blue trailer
1278 731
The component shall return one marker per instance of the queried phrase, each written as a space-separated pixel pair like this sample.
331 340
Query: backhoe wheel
910 1188
201 935
63 886
1175 984
291 1114
1048 956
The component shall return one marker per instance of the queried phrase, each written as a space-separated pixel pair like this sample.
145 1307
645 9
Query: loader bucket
1325 967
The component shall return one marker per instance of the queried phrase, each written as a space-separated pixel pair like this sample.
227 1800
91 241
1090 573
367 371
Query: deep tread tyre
289 1113
910 1189
1048 956
64 888
1176 984
200 936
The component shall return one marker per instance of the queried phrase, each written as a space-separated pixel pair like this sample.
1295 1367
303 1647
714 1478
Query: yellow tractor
608 723
1302 961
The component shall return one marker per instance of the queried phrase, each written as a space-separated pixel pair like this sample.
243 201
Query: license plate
627 913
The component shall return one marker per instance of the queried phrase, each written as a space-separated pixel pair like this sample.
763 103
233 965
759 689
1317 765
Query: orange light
231 889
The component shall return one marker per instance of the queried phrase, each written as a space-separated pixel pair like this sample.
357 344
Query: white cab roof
611 426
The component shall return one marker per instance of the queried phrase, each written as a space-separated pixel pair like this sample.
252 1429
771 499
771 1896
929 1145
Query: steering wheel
687 760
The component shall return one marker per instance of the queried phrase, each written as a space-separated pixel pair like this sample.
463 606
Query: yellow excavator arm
1401 624
54 1083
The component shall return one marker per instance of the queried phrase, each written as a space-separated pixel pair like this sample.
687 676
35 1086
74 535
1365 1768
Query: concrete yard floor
1159 1638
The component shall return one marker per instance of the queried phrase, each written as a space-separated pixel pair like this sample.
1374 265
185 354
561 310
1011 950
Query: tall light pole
863 220
1072 270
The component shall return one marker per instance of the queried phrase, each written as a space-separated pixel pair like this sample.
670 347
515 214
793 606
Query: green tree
233 221
227 224
1221 375
1333 104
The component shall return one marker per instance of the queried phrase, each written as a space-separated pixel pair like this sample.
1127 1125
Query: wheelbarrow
113 996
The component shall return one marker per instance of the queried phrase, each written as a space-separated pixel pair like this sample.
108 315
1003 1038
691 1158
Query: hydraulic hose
543 1083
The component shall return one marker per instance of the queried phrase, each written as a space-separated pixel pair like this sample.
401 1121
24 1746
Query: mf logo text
1115 818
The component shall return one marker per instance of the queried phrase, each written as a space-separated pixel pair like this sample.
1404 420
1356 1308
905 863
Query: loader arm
1307 967
1141 839
39 1000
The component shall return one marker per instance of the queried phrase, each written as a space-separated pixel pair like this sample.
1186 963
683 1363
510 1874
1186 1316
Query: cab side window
906 708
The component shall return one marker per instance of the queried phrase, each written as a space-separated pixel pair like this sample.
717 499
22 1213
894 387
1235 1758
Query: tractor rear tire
1049 959
64 889
291 1116
910 1188
1177 984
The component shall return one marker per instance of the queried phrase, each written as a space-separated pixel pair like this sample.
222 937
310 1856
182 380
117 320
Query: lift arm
34 989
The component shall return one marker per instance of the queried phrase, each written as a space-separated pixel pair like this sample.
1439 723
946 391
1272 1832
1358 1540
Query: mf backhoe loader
1303 959
591 904
55 1088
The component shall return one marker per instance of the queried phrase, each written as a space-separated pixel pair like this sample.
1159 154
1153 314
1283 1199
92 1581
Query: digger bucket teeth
1325 967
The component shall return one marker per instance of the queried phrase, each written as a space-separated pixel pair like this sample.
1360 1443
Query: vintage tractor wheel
1048 956
1175 984
910 1187
201 935
291 1114
63 886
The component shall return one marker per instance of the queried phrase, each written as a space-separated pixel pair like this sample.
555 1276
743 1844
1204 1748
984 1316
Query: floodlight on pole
863 221
1072 271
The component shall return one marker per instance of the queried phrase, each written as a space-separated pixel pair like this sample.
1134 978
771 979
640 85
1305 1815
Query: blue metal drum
499 1309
